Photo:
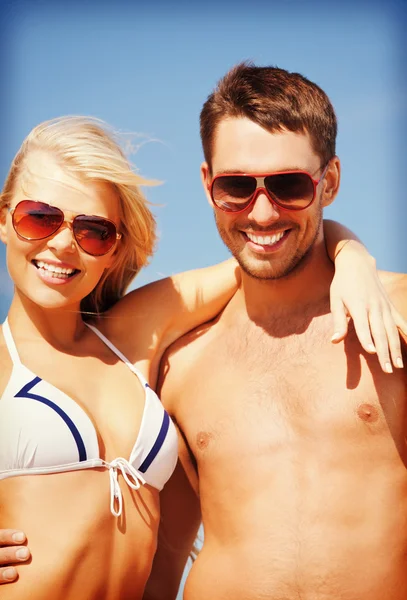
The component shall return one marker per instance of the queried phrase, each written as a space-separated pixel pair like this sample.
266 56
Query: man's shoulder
181 361
192 341
393 278
395 283
396 287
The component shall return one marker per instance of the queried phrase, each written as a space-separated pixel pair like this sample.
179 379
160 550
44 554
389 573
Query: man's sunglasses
34 220
290 190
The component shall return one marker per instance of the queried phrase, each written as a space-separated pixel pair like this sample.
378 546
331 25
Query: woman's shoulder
128 335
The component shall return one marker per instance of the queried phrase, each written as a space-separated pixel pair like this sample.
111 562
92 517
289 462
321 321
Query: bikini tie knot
131 476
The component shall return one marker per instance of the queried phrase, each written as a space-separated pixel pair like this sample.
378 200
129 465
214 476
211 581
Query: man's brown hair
275 99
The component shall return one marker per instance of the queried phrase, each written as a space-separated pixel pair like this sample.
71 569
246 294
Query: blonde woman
85 444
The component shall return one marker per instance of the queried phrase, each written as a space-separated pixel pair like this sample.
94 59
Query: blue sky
147 68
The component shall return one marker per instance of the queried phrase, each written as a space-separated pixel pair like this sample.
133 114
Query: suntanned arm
337 236
162 311
179 524
180 509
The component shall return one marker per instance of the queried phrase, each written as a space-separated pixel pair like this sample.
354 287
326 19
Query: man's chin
261 269
268 270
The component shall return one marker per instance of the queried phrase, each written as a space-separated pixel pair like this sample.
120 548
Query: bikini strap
119 354
11 346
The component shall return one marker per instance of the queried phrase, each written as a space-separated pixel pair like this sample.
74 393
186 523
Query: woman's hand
357 293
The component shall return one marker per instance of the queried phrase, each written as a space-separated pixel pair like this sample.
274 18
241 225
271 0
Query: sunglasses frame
69 222
262 188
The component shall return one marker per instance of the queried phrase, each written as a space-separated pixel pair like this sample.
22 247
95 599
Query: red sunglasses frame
262 188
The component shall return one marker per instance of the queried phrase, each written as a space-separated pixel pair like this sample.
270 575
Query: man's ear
331 181
206 179
3 226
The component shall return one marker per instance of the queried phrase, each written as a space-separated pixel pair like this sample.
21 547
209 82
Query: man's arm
179 524
179 499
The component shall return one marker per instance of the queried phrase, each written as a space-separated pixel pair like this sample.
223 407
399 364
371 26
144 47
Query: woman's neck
60 327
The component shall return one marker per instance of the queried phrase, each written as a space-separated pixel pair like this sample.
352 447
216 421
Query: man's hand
357 293
11 551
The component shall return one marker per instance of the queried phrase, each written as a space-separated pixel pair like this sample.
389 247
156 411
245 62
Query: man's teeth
54 268
265 240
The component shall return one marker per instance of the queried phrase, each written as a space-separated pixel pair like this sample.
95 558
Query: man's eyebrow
270 172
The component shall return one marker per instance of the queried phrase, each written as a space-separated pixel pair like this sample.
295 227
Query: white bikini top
42 430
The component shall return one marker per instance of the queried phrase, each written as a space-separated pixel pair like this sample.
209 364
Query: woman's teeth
59 272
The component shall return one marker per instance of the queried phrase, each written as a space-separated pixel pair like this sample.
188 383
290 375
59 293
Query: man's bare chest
269 392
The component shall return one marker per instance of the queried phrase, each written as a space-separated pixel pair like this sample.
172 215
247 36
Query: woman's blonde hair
90 149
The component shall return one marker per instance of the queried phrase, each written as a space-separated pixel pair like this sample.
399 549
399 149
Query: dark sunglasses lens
94 235
36 220
233 192
292 190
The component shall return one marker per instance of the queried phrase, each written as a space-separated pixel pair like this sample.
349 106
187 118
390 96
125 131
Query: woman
85 445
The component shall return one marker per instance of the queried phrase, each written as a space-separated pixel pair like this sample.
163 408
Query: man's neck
305 286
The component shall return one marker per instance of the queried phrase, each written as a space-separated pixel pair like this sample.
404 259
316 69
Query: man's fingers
13 554
10 555
340 321
8 575
11 537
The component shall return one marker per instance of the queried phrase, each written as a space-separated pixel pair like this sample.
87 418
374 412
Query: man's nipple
202 439
368 413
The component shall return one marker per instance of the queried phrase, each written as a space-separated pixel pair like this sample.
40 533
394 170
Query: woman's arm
159 313
357 292
204 292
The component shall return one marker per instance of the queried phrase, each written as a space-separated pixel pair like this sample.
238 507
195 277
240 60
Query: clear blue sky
147 67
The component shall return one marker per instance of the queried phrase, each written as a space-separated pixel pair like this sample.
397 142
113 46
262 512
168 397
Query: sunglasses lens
291 190
233 192
94 235
36 220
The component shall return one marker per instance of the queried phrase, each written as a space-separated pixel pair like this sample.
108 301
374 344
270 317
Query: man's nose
263 210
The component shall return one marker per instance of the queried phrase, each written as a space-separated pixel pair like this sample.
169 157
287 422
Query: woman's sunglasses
34 220
290 190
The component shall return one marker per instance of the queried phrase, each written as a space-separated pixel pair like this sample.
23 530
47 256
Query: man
293 448
277 426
